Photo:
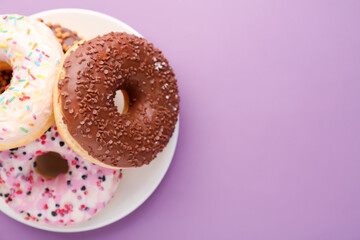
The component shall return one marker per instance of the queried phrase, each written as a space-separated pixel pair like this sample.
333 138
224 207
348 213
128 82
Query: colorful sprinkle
24 130
62 210
12 99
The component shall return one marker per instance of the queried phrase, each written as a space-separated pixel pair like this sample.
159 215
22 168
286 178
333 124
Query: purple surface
270 120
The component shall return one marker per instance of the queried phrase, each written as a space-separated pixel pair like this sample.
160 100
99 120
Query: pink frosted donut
69 198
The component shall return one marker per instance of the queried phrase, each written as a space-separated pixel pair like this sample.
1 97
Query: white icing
33 52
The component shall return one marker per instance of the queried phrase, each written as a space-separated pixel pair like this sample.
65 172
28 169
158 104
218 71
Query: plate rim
56 10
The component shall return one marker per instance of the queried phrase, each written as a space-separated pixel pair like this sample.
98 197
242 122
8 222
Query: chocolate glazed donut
85 112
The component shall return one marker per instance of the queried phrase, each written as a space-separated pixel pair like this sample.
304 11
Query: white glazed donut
34 53
69 198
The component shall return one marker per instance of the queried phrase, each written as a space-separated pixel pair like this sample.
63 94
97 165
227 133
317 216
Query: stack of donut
65 173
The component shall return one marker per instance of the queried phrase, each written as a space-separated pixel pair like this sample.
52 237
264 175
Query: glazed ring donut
31 50
88 120
30 187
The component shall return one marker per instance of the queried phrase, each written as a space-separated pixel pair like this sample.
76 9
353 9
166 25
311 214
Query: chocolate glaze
93 73
5 77
66 37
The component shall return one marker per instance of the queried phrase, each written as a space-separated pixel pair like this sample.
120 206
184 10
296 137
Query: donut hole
51 164
5 75
121 101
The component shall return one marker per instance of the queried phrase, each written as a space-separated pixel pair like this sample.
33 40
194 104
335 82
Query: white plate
137 184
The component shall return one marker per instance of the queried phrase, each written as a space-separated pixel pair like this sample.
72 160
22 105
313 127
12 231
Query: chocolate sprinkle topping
65 36
93 73
5 77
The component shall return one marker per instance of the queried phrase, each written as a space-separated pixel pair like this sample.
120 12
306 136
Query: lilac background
269 137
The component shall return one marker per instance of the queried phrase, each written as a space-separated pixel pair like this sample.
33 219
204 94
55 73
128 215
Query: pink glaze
54 202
